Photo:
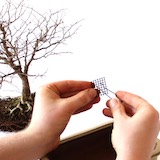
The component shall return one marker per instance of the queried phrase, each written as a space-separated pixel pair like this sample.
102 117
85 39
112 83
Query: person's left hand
54 105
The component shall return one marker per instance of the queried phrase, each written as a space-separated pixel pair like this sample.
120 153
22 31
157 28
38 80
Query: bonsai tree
26 36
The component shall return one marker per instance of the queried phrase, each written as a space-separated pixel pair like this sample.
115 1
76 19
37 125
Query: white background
119 40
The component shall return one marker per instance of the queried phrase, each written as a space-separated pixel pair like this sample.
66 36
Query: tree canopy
26 36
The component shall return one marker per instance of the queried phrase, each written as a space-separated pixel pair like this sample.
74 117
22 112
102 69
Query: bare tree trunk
26 92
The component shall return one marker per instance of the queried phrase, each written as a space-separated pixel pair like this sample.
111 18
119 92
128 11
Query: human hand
136 126
54 105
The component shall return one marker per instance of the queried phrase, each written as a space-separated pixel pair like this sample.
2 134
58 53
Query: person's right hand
136 126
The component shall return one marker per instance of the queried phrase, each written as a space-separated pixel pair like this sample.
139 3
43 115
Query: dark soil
14 115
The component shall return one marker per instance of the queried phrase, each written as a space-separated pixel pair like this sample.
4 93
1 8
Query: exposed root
14 115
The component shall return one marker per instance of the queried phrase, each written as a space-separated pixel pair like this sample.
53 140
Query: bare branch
27 35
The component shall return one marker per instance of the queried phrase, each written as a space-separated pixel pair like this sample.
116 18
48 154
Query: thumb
117 108
80 99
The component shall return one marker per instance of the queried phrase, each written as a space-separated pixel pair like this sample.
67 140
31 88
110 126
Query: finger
129 109
131 99
71 93
80 100
82 109
107 112
88 106
117 108
69 86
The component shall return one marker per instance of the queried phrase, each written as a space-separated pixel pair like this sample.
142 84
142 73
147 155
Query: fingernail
113 102
92 85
